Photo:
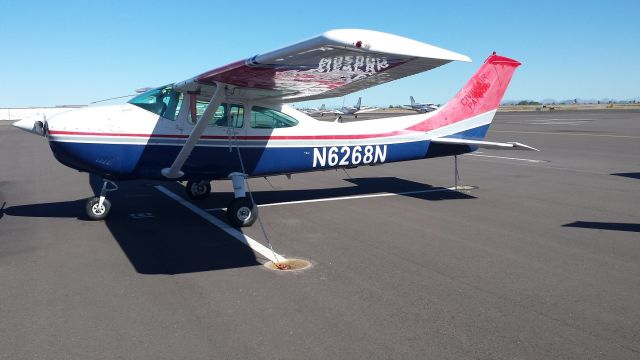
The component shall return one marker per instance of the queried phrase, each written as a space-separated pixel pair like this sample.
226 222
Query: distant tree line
528 102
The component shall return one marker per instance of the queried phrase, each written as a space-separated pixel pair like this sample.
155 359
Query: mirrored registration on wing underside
310 73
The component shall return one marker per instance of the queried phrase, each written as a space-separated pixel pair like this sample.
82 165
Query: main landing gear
198 190
98 207
241 212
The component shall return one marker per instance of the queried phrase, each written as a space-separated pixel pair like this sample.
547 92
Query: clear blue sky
75 52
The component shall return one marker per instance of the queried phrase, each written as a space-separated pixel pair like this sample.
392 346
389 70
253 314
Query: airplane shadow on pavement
631 175
597 225
62 209
160 236
157 235
363 186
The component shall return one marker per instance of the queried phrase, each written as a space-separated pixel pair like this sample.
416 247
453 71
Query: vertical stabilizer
482 94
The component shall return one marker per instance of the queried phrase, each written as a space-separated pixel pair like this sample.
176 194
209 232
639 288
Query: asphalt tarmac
540 261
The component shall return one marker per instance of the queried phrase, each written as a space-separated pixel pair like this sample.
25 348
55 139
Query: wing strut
174 171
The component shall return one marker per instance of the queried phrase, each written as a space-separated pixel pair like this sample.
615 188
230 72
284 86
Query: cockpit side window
163 101
264 118
224 114
167 102
228 115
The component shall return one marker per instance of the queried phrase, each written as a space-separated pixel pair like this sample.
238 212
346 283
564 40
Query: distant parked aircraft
354 110
421 108
317 111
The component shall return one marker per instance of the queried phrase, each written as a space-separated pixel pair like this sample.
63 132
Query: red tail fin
482 93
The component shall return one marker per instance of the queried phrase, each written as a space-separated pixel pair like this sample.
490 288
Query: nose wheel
97 210
98 207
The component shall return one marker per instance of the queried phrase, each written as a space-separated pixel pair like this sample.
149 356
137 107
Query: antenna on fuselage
138 91
113 98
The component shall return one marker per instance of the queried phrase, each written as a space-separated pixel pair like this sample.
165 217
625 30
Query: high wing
335 63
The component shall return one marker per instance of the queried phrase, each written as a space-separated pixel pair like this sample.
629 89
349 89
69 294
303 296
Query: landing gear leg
241 212
197 190
98 207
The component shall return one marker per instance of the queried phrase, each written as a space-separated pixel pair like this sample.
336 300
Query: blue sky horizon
78 52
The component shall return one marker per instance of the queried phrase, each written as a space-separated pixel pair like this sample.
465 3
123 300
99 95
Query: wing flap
484 144
332 64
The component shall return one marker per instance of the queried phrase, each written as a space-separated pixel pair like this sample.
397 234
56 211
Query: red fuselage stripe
222 137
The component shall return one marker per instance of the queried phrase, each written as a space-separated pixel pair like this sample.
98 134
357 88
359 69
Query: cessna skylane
233 121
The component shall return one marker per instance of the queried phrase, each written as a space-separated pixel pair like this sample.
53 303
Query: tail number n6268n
349 155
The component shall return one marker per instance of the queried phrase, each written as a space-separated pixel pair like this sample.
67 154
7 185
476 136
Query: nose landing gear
98 207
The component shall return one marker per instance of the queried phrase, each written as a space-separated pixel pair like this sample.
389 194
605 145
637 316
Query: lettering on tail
477 92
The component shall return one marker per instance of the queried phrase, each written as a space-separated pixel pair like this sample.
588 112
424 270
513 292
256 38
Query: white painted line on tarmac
508 158
340 198
559 119
555 123
253 244
567 134
550 121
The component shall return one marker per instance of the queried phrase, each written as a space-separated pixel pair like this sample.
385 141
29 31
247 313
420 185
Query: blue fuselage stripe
133 161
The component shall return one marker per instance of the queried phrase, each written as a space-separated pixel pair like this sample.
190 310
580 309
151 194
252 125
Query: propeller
38 124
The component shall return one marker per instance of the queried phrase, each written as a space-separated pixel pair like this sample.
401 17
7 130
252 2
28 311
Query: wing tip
392 43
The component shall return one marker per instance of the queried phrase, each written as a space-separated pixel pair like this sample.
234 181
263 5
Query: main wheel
95 211
197 190
242 212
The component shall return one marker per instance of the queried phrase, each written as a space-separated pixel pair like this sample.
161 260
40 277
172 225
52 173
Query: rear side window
263 118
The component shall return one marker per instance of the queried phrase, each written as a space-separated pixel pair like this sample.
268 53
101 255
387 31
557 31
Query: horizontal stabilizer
484 144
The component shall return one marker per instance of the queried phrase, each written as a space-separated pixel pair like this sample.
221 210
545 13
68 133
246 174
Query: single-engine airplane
232 122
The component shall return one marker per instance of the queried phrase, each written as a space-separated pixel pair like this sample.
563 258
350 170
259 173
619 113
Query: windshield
163 101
